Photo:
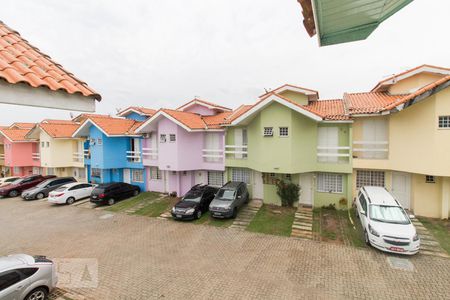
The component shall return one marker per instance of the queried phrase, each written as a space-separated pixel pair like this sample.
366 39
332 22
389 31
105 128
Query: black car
110 193
42 190
194 203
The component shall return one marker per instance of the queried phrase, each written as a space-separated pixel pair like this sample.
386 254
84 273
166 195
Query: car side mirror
239 197
362 212
412 216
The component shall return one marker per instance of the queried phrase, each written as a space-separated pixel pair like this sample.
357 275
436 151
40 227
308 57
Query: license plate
397 249
217 214
178 216
94 197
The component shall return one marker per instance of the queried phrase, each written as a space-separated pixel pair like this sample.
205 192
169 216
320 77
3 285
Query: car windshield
17 181
43 183
226 194
193 196
388 214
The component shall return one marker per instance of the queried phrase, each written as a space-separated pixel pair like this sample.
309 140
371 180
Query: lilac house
184 147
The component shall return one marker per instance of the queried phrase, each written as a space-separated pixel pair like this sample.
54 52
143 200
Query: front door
306 185
401 188
258 188
126 176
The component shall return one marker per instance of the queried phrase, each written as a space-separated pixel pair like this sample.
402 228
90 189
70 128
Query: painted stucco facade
21 157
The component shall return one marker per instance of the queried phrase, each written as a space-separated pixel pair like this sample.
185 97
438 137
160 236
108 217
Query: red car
24 183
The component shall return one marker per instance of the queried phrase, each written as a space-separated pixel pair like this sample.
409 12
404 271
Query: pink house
21 155
192 131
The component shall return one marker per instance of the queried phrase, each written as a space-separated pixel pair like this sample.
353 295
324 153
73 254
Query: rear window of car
61 189
27 272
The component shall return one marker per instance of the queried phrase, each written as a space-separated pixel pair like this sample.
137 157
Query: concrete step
302 227
302 224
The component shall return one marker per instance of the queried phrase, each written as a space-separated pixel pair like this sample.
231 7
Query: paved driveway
145 258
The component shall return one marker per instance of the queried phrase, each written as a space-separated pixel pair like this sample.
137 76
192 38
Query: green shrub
288 192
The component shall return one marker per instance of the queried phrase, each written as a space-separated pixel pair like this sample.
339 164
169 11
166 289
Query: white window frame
283 131
155 173
172 138
137 175
370 178
444 122
48 144
99 141
215 178
268 131
162 138
430 179
241 175
330 183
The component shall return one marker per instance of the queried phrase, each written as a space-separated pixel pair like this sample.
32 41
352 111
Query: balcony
2 156
150 153
87 153
236 152
78 157
36 156
134 156
338 154
212 155
371 149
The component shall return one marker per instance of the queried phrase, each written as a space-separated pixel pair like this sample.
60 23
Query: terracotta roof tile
16 135
22 62
190 120
237 113
216 121
115 126
59 128
22 125
142 110
206 103
365 103
329 109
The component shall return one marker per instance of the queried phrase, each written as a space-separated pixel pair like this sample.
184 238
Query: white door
258 188
306 185
126 176
401 188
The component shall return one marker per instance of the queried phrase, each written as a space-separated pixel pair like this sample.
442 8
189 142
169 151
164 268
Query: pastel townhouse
21 155
292 136
401 138
113 150
184 147
60 153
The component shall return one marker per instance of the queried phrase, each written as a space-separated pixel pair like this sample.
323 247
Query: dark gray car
42 190
229 199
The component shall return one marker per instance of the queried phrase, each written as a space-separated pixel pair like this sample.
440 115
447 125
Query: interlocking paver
148 258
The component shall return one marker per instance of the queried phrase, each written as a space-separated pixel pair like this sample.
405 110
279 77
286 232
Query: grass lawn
440 229
156 208
272 219
334 225
206 219
131 202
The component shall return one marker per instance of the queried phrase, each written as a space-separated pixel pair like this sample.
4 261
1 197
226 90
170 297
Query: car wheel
13 193
70 200
366 238
199 214
40 196
37 294
135 193
235 212
111 201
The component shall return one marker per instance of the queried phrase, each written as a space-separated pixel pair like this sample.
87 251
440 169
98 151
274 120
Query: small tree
288 192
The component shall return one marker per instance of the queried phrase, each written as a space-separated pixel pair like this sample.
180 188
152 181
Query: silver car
232 196
26 277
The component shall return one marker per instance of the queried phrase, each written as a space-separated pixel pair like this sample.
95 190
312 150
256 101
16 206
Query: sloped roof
203 103
364 103
216 121
114 126
333 109
140 110
291 87
190 120
16 135
237 113
22 125
59 128
20 62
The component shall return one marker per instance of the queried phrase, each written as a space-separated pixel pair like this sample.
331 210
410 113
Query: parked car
26 277
194 203
232 196
69 193
16 187
110 193
386 224
42 190
7 180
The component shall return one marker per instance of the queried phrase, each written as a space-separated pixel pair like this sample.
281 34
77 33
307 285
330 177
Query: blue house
113 150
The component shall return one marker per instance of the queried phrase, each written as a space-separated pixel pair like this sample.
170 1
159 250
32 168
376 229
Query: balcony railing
2 156
333 154
371 149
212 155
151 153
87 153
36 156
78 157
134 156
236 152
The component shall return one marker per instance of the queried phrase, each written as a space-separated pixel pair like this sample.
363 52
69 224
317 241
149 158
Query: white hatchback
386 225
69 193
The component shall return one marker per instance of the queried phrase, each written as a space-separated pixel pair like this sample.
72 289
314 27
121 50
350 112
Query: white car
386 225
7 180
26 277
69 193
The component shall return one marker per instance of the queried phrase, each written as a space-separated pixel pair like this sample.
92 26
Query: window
269 178
27 272
363 202
8 279
162 138
16 170
96 172
215 178
369 178
268 131
241 175
137 175
42 144
288 177
155 173
444 121
99 142
172 138
48 144
330 183
284 131
327 143
430 179
214 144
50 171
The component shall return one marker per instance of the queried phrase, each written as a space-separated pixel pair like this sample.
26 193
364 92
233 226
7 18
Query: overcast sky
157 53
